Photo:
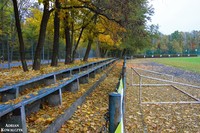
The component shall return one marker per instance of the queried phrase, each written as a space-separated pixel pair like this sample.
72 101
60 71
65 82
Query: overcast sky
172 15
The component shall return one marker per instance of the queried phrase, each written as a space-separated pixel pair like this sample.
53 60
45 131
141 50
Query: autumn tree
75 20
6 9
85 23
131 15
54 61
92 34
110 35
176 43
68 40
123 28
137 37
42 33
31 29
20 37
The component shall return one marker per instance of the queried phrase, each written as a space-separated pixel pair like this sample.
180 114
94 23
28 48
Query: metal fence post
114 111
140 91
132 76
124 68
23 119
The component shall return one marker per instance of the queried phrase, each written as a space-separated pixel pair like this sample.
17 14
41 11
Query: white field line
156 72
189 85
186 93
181 102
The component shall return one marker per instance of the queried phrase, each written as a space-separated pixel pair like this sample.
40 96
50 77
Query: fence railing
163 55
117 104
163 82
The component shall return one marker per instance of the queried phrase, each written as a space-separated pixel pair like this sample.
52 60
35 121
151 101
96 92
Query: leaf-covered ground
155 118
159 118
90 115
16 74
92 111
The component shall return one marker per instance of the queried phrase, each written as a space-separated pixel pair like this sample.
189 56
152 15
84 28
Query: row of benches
13 91
16 113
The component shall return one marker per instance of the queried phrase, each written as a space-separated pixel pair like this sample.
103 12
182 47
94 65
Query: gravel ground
178 73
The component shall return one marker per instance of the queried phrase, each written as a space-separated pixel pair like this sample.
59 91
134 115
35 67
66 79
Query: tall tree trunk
11 54
123 53
80 35
21 41
67 40
76 46
32 51
42 34
3 41
8 53
90 41
54 61
97 50
72 39
103 52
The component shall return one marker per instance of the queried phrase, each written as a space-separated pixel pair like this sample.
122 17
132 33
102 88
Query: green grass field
186 63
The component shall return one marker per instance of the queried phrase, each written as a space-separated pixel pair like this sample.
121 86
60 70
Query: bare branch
95 10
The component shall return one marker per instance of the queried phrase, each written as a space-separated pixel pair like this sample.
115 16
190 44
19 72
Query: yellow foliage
112 31
106 39
35 20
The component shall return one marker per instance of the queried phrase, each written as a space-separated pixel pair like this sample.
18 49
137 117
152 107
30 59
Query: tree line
176 43
114 27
